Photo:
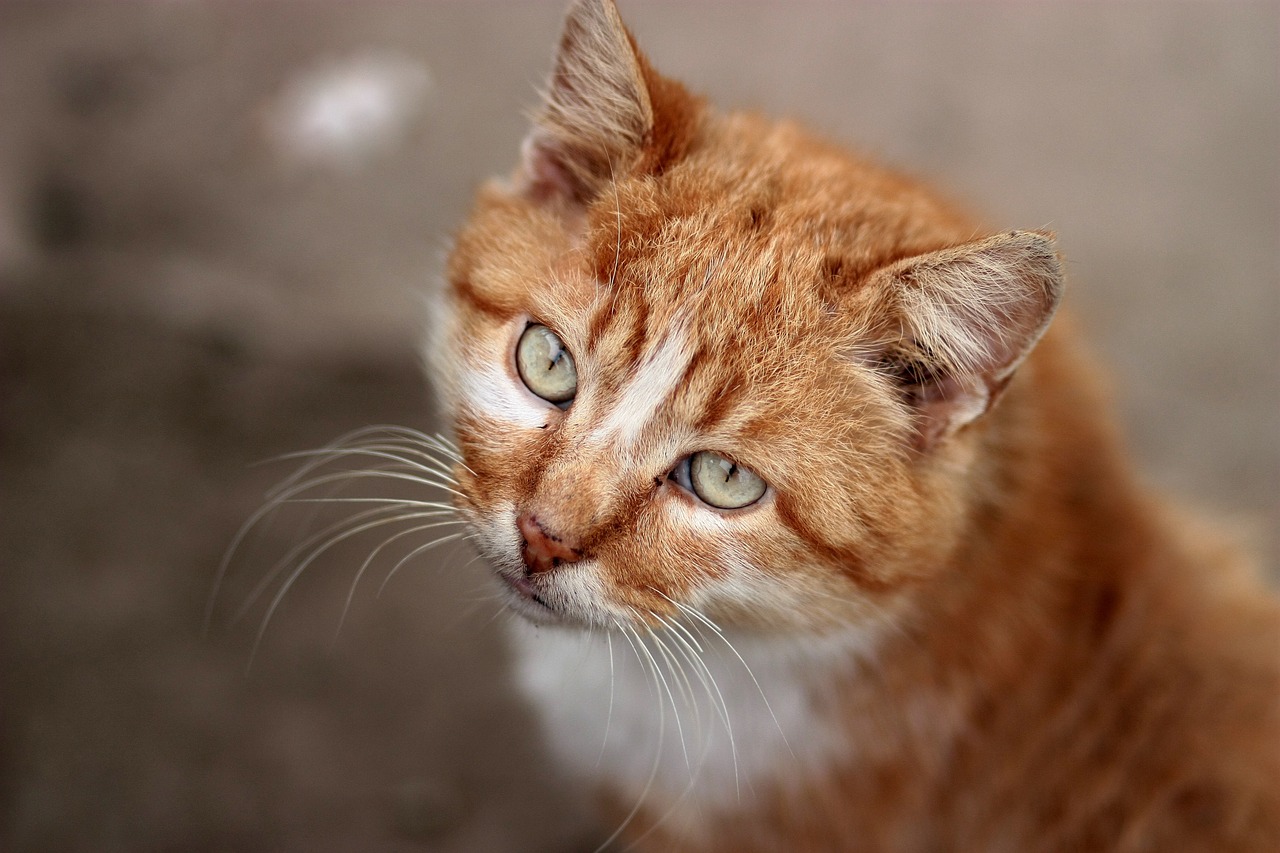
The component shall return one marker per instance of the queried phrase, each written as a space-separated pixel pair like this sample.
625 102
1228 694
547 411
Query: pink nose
541 550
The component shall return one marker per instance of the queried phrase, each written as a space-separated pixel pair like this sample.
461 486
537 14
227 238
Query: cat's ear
967 317
605 112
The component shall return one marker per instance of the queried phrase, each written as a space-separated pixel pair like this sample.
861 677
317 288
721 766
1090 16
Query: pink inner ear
974 312
945 404
543 175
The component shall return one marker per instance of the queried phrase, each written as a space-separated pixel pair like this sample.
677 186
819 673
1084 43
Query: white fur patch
492 393
611 719
640 398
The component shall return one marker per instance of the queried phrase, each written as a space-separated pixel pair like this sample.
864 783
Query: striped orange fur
951 621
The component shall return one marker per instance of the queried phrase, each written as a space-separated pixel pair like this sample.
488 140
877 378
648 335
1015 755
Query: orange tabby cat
823 537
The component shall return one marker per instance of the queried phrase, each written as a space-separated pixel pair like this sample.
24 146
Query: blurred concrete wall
138 155
188 284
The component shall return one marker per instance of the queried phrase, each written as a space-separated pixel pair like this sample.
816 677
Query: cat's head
702 361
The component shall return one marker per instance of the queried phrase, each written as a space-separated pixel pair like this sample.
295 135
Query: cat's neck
1053 570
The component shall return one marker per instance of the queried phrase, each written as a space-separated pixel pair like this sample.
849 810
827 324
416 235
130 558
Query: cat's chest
683 723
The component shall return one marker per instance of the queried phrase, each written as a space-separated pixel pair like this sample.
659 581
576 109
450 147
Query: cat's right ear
963 320
605 112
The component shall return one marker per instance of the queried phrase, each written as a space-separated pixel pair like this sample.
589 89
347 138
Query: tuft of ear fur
605 112
968 315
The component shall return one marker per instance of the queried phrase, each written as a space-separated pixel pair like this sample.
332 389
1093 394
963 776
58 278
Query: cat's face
605 403
683 383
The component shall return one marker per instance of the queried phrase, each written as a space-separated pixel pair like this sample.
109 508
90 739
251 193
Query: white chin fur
695 740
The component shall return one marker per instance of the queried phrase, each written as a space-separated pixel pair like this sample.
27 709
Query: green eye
545 366
722 483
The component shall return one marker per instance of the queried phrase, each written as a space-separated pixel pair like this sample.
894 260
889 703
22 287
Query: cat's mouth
524 590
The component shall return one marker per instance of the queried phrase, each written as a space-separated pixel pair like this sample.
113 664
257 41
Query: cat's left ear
606 112
966 317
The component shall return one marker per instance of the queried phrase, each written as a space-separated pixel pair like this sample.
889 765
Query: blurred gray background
217 222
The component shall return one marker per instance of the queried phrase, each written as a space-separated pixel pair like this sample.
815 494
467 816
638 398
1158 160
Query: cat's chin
522 598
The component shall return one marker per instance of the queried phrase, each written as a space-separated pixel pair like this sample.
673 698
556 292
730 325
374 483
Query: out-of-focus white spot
345 112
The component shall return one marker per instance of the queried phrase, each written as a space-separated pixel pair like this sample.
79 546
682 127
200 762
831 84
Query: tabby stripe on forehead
719 404
655 379
608 313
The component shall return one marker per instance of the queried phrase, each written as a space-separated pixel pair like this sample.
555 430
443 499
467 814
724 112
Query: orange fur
1049 660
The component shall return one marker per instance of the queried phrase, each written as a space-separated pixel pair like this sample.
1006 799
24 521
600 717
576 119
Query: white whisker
351 592
390 452
404 502
662 680
394 454
699 668
293 577
608 720
688 646
675 708
634 638
343 527
677 669
723 705
719 633
372 474
415 552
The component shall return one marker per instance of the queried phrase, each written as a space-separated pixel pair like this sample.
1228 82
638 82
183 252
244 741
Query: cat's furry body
954 624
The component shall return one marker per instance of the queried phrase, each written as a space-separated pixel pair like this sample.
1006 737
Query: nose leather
540 549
